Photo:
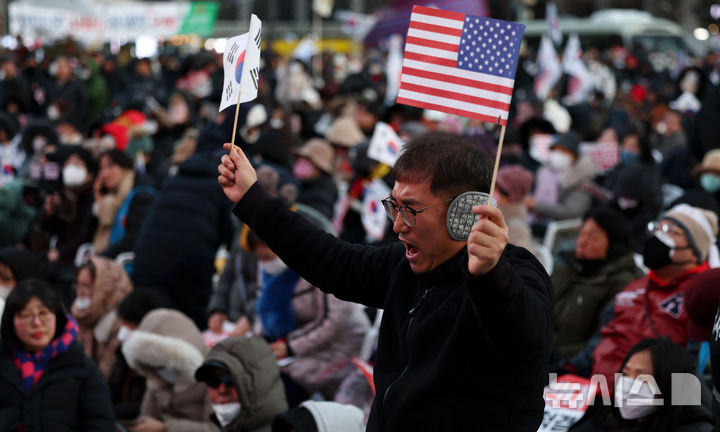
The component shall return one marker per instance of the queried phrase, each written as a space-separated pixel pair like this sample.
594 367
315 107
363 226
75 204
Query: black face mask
656 254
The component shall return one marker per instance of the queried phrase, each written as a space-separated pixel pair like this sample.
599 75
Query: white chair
545 257
558 229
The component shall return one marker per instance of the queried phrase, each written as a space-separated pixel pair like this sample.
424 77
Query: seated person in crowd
658 359
47 383
653 306
101 284
122 200
513 184
167 348
328 333
235 296
16 265
558 185
313 167
703 307
243 384
588 277
127 387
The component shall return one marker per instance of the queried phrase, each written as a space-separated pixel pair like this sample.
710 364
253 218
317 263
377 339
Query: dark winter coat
71 396
319 193
175 251
580 298
455 351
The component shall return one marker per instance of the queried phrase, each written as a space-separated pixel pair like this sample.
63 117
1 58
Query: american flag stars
492 39
459 64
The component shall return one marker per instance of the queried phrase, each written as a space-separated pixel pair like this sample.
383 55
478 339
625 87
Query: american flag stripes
460 64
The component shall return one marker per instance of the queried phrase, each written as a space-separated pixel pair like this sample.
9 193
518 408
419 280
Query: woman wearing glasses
47 383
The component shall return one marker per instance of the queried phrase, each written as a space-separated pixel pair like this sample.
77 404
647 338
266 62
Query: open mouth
411 252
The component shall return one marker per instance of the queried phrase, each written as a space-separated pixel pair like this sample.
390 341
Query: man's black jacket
455 352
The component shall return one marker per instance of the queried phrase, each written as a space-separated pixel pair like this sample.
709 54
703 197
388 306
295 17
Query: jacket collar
447 271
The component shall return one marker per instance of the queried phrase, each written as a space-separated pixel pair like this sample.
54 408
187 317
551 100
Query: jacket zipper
412 312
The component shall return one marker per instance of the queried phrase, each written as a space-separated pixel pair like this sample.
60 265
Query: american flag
460 64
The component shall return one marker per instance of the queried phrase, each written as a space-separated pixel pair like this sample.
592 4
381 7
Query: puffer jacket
329 333
644 309
579 299
168 339
256 376
71 396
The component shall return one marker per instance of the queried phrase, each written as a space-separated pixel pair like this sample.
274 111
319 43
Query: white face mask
627 203
5 291
274 266
643 399
123 333
82 303
226 413
560 161
168 375
39 143
74 175
53 112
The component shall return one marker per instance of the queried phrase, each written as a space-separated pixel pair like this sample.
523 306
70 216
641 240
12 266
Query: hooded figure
16 265
167 348
107 285
588 277
255 377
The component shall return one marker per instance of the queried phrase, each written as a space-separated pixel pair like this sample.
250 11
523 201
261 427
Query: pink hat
514 181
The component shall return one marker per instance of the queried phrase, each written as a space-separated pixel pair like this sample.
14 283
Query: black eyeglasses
214 380
407 213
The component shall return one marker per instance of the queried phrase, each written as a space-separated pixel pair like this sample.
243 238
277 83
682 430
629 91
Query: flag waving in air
241 65
460 64
549 69
385 144
573 64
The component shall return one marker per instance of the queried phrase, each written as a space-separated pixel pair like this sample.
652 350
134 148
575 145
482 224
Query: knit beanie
702 299
514 181
700 227
616 227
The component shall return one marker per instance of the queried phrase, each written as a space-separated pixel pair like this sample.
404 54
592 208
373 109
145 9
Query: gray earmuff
460 218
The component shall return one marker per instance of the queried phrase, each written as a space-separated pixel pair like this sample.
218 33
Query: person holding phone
121 203
457 313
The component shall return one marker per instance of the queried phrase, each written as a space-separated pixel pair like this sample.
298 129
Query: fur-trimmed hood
165 339
256 377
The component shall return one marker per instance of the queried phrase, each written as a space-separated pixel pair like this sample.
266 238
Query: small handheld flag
461 64
573 64
385 144
241 64
241 67
373 215
549 69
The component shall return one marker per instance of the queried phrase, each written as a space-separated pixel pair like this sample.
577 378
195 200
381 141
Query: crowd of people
138 297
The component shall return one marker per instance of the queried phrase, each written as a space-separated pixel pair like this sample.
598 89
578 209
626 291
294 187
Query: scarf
33 365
